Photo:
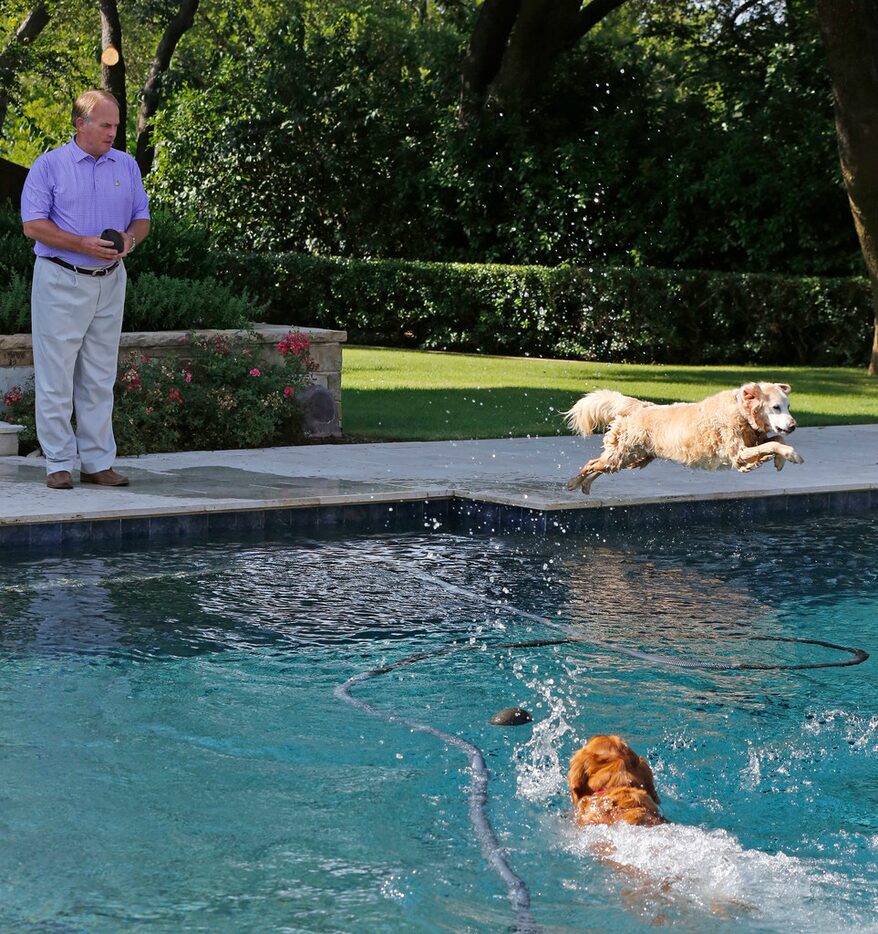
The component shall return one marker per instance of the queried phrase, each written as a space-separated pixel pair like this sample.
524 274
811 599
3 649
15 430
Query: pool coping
494 486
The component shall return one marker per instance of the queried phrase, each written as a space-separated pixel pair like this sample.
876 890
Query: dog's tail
598 409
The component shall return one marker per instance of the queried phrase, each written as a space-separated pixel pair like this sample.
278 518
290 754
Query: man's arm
50 234
137 232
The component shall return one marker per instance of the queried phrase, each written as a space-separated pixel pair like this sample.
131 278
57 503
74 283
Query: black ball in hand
115 236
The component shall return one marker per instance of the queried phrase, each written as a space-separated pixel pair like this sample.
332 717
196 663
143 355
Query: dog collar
600 791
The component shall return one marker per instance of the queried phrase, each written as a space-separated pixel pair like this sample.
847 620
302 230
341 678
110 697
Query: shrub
612 313
15 305
163 303
215 396
177 247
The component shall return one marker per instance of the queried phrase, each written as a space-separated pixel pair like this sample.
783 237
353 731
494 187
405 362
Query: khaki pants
76 321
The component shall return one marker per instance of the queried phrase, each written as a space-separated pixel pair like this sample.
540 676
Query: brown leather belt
83 270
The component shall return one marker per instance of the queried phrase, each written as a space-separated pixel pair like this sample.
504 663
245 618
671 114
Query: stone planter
9 439
322 405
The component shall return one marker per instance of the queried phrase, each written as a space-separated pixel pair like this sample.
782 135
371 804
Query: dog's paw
778 462
793 456
574 483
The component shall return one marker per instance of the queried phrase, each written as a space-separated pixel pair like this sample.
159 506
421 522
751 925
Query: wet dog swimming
740 428
610 783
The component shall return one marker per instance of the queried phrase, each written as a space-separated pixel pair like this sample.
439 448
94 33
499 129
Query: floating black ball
115 236
510 716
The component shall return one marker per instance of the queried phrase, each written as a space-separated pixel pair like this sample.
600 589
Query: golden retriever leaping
738 428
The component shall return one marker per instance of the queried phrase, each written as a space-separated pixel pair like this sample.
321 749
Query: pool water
174 758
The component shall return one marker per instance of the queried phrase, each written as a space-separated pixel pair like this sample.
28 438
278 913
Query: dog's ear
784 388
751 392
577 777
648 781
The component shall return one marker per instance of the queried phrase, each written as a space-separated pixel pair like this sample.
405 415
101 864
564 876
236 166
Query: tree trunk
30 28
850 35
485 53
113 76
152 87
515 44
542 30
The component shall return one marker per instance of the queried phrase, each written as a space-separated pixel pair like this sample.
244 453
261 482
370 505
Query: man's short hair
88 100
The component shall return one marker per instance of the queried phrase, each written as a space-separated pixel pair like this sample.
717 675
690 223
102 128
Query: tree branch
592 14
486 47
151 92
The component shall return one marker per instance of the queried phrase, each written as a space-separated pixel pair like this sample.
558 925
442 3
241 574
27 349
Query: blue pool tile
250 520
222 522
76 533
45 534
15 537
133 529
180 526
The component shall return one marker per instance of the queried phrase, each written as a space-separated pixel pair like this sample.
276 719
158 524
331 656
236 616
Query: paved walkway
529 472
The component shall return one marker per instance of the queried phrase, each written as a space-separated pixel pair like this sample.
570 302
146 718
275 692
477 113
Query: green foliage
596 313
164 303
15 305
315 141
176 247
215 395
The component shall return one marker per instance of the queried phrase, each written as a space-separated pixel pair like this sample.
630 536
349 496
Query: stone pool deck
315 484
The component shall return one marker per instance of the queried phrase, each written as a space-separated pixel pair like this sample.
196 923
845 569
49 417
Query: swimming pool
175 758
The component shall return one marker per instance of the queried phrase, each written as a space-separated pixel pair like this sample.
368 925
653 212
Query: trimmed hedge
612 314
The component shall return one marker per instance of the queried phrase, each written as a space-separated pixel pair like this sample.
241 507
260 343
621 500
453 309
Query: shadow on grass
435 414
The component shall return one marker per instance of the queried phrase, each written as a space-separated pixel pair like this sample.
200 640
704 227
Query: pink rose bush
207 396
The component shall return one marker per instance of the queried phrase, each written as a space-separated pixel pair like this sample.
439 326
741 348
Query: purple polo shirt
83 195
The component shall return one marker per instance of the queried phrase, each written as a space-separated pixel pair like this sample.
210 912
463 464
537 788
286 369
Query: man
70 196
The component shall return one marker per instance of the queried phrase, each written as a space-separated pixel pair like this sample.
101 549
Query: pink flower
288 391
14 395
174 395
296 343
187 376
247 352
255 372
130 379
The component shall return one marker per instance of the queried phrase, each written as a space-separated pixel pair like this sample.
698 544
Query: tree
850 34
10 59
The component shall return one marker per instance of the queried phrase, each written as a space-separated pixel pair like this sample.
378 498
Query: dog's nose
792 427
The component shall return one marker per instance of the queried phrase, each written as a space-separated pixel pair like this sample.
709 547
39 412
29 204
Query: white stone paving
530 472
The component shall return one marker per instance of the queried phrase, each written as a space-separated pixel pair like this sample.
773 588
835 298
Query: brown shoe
107 477
59 480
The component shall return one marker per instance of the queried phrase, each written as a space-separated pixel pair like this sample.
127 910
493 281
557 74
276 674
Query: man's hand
100 249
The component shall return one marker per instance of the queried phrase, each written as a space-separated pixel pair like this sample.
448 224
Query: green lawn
405 395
